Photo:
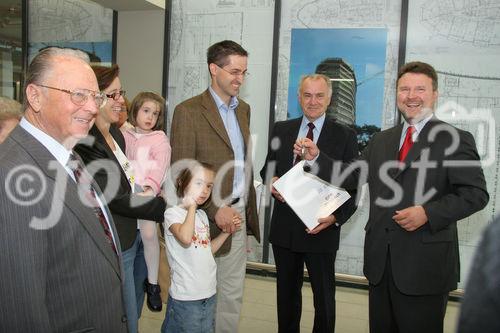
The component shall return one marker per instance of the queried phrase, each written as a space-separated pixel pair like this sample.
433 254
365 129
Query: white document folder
310 197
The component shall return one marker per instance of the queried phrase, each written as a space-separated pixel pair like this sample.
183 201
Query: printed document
310 197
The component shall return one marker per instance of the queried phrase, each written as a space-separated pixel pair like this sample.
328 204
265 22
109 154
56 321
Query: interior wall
140 50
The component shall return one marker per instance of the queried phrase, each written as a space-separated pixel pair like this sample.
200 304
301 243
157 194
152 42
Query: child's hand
189 201
148 191
237 222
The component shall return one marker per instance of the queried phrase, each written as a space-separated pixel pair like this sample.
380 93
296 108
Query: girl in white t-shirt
191 300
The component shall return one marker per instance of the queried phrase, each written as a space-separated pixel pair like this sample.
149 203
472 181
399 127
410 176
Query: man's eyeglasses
116 95
80 96
235 72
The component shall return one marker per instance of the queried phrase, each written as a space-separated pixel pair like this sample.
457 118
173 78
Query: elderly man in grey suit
59 253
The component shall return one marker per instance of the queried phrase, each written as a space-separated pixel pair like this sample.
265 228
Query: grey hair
316 76
42 64
9 108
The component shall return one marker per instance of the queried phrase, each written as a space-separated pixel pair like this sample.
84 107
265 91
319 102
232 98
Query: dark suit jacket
199 133
425 261
125 206
287 230
59 274
481 303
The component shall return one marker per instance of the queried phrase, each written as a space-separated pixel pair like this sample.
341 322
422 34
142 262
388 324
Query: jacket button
124 319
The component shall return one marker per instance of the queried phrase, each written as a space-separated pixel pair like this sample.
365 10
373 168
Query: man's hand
324 223
226 219
275 193
309 148
411 218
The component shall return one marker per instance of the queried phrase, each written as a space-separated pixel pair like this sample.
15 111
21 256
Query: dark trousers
290 275
394 312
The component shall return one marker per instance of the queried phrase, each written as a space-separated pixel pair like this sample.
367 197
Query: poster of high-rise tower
354 60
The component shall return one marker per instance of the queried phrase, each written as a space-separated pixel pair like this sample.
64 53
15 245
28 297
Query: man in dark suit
423 176
293 245
59 259
214 128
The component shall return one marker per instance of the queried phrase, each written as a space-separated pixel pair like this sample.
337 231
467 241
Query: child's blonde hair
139 100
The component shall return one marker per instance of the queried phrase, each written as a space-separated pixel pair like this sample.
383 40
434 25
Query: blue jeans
140 274
132 280
190 316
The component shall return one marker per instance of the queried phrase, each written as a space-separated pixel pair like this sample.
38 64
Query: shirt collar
55 148
318 123
233 103
418 126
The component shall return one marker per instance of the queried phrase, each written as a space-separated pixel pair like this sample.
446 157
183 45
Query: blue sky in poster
364 49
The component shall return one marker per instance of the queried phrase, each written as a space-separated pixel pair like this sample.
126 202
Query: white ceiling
129 5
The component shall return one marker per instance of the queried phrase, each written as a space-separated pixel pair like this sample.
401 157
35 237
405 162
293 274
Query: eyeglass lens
79 97
116 95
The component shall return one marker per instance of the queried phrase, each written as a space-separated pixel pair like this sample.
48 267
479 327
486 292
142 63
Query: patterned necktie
85 185
310 136
407 143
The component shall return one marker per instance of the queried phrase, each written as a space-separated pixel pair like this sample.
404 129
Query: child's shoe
153 296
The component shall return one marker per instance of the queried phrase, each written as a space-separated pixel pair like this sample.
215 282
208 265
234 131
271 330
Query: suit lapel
418 147
100 140
90 223
116 134
391 151
421 143
40 155
325 139
243 123
292 132
66 190
112 224
213 117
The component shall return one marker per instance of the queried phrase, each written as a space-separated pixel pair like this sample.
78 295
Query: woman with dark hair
103 153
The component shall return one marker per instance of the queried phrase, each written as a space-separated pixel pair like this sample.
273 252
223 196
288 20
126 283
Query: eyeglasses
235 72
116 95
80 96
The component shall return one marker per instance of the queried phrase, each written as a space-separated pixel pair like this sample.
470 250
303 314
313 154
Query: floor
259 310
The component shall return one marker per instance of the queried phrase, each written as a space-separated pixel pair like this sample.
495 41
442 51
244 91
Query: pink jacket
149 154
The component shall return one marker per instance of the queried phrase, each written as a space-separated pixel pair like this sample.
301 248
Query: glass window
11 76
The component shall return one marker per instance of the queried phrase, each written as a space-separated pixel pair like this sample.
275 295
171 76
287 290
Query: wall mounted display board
80 24
460 38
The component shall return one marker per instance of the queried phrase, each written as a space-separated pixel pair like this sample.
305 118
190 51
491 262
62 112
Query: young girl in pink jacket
148 150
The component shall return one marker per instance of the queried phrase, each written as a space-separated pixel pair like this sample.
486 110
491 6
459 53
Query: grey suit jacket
198 133
58 272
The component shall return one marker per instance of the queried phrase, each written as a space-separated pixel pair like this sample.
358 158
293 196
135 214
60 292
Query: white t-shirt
192 269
